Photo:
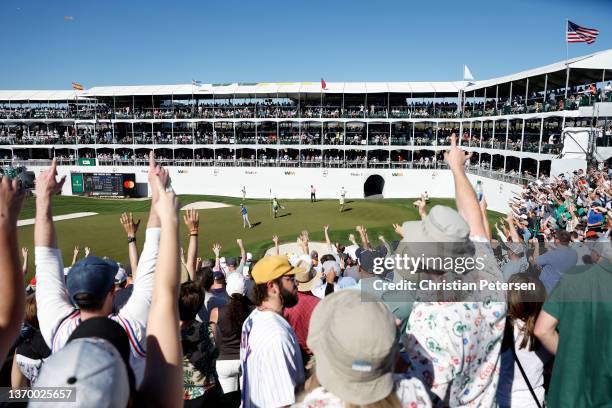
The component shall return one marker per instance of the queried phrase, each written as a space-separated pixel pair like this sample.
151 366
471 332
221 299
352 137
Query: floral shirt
199 354
454 347
409 391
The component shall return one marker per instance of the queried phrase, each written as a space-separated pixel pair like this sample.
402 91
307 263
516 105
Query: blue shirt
554 264
244 210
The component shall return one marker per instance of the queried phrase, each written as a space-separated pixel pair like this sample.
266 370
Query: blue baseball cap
93 276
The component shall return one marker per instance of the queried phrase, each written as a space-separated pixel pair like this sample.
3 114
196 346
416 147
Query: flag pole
566 42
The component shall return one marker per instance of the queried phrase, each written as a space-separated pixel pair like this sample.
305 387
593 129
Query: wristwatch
131 239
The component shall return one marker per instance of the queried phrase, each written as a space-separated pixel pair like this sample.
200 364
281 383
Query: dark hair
327 257
206 279
525 305
261 291
87 303
31 317
563 236
191 299
238 311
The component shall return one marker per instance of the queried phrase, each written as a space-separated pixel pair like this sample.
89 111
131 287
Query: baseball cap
92 366
232 262
235 284
272 267
367 258
217 275
93 276
359 368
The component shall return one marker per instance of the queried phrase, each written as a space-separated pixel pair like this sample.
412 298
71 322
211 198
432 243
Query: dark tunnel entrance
373 187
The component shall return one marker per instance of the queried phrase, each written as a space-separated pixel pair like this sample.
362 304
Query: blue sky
123 42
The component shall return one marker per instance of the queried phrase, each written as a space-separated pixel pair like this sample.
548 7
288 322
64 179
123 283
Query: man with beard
272 367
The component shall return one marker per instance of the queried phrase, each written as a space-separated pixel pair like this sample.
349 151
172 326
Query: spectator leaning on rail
576 325
272 368
454 347
90 283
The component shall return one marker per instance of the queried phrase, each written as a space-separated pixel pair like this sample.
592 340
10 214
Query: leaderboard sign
104 184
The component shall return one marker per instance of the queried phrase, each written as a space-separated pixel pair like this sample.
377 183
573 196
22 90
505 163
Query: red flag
323 84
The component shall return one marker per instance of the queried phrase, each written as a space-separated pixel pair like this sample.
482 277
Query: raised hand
326 228
381 238
217 249
351 238
455 157
156 172
46 182
275 240
75 251
398 230
24 252
191 218
167 205
130 227
87 251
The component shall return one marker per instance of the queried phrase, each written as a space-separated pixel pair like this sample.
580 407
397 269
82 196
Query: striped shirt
58 318
271 361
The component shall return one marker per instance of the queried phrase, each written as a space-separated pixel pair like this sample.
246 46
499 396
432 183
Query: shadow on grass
284 215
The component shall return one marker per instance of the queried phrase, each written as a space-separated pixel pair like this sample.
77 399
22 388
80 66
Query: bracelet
131 239
193 234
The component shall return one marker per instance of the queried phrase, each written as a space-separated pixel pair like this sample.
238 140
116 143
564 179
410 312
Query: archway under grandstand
373 187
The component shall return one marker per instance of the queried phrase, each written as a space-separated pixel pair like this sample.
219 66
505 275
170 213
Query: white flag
467 74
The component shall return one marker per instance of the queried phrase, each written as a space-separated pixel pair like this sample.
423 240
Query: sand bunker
30 221
204 205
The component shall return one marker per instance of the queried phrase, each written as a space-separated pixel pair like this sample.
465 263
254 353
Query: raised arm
217 250
51 295
24 266
485 220
465 197
131 228
163 381
191 218
365 243
276 248
242 251
46 187
137 307
421 205
75 254
327 240
12 296
512 229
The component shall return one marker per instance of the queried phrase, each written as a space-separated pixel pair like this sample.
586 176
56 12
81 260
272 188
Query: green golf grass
105 236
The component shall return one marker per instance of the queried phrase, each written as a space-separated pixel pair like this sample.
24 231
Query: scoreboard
104 184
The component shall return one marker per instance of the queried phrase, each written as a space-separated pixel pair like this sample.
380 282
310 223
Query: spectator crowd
305 328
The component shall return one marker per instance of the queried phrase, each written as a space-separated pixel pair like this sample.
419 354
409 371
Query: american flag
576 33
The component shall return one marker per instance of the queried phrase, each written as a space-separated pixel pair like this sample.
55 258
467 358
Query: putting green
105 236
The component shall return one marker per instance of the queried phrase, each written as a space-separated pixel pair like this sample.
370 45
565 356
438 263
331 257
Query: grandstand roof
588 64
33 95
596 61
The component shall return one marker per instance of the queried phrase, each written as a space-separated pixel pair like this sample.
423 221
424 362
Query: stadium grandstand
519 127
